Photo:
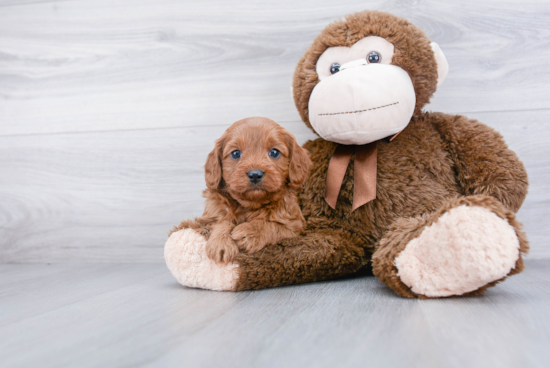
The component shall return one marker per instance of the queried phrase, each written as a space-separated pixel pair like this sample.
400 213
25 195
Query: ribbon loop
364 182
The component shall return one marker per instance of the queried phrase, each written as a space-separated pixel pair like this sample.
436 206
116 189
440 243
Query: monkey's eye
334 68
236 154
274 153
374 57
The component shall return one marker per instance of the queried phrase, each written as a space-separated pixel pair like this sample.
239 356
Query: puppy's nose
255 176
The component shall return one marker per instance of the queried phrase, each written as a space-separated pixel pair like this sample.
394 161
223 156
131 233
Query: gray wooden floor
113 315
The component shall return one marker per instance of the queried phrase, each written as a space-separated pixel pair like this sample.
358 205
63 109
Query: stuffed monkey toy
425 200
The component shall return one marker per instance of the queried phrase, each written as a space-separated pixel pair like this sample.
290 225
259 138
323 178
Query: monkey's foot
465 249
469 244
186 258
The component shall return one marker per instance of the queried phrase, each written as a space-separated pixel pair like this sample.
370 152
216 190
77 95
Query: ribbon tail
335 174
364 181
395 135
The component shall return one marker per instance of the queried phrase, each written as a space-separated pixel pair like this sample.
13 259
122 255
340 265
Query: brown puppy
253 176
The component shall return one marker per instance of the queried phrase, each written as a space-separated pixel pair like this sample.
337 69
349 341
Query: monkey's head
364 77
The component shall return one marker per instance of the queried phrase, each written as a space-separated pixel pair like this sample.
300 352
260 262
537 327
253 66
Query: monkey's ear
299 164
442 64
213 166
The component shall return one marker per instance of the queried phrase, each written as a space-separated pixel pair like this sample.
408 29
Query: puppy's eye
236 154
274 153
334 68
374 57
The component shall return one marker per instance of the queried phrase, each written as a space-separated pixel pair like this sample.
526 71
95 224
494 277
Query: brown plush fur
417 177
439 161
247 216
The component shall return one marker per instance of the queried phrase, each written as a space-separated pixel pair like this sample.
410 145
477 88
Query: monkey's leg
316 255
468 245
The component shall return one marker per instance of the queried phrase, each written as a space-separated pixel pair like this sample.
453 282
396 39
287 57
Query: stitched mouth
357 111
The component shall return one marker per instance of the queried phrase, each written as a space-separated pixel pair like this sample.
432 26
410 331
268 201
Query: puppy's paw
221 251
248 238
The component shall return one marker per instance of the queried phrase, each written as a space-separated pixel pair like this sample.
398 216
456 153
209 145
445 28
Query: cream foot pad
467 248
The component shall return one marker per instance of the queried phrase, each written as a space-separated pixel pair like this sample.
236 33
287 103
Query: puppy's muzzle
255 176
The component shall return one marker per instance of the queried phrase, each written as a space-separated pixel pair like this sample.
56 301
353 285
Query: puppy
253 176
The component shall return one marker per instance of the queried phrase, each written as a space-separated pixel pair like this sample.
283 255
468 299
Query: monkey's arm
484 163
314 255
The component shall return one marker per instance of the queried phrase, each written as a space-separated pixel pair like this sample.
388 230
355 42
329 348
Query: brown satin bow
364 180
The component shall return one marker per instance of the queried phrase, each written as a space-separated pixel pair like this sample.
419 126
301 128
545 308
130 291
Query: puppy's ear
213 166
299 163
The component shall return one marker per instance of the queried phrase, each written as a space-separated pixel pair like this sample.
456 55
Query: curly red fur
247 216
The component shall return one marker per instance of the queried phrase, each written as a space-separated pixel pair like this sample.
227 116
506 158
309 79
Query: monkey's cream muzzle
362 103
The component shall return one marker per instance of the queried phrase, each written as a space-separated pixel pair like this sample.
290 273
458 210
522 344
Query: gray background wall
109 108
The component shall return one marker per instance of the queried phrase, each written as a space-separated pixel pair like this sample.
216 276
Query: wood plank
152 321
77 66
113 196
180 73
